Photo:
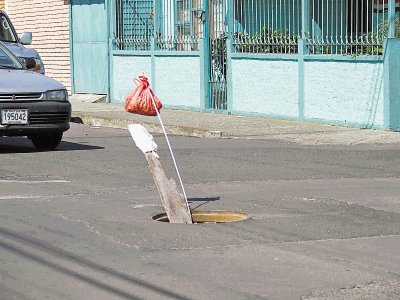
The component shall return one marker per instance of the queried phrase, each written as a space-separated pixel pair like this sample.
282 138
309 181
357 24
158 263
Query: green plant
370 43
266 41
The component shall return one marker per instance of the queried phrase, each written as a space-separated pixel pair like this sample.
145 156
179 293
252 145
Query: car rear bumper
43 117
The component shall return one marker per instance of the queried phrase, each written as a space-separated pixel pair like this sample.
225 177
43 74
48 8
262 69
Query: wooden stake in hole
174 202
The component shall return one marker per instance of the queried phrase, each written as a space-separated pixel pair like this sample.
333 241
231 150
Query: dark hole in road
209 216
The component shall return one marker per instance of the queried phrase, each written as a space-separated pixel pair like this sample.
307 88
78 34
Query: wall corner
391 84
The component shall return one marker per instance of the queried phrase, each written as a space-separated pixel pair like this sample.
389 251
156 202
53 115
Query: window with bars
135 24
173 23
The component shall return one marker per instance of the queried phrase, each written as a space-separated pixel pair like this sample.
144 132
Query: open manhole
209 216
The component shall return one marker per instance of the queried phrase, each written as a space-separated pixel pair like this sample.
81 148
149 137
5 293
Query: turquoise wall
175 79
266 87
344 91
125 70
391 84
348 92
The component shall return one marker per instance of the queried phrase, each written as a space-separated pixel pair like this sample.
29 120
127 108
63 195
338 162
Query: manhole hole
209 216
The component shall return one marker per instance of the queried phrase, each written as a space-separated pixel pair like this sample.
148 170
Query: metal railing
135 24
269 26
344 27
180 25
173 24
347 27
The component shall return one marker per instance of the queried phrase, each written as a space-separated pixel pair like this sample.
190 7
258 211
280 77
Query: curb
82 118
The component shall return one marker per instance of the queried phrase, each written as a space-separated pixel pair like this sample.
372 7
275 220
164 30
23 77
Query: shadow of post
204 200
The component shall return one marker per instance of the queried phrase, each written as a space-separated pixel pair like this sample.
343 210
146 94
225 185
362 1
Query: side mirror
26 38
29 63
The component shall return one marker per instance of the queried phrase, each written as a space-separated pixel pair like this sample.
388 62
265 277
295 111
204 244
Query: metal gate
218 33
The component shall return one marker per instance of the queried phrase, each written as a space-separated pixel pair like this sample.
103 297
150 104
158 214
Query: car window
6 33
6 61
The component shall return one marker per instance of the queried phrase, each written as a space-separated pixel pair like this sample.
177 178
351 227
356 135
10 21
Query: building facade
328 61
310 60
49 23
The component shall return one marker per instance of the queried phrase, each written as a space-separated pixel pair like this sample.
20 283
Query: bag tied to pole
140 101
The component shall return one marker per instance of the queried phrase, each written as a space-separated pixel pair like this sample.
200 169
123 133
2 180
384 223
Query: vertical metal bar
229 50
322 19
330 33
392 18
358 24
304 19
313 21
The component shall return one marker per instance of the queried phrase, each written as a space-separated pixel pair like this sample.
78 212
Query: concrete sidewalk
205 124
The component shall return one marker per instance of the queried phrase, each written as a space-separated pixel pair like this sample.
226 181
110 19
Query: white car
31 104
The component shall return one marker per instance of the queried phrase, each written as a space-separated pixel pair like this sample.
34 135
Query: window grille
135 24
348 27
175 25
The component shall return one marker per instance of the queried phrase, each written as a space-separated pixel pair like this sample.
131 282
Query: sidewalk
214 125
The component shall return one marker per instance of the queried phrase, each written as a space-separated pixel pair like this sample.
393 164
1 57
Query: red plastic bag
140 100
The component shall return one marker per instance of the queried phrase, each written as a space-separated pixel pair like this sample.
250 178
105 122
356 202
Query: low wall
341 90
265 87
344 91
125 70
175 79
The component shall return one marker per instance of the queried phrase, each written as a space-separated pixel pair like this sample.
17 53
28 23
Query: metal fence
348 27
173 24
269 26
135 24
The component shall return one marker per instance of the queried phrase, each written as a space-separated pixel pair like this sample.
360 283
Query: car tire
47 142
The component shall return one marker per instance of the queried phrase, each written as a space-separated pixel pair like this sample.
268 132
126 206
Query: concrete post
391 84
392 18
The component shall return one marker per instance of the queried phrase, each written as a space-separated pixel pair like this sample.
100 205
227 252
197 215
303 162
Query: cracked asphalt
77 223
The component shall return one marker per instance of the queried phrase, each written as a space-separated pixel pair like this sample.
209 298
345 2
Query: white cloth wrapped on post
143 139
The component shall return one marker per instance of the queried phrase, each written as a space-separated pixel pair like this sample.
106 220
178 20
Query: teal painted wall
265 87
176 80
356 91
392 86
337 92
344 91
125 70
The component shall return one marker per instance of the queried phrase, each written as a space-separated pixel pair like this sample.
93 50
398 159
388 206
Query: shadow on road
70 257
204 200
24 145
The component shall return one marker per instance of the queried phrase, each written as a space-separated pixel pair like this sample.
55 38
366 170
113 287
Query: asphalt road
77 223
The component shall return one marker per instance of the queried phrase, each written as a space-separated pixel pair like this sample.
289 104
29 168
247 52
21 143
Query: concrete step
88 98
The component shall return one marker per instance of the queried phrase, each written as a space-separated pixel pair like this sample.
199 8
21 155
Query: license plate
14 116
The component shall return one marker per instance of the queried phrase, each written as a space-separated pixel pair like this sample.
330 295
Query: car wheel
49 141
